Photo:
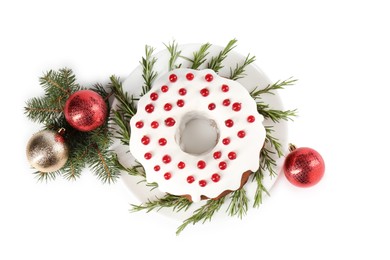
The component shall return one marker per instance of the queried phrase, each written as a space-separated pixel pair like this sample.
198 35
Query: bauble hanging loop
303 167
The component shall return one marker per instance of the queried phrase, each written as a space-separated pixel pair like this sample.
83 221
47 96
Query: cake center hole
197 134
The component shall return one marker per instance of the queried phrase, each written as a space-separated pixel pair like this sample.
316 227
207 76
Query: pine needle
202 214
174 55
239 203
216 62
177 203
239 70
148 74
199 57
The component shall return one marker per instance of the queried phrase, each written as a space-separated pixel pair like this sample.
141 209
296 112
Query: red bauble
85 110
304 167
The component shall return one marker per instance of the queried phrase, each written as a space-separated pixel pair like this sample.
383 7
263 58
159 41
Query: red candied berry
139 124
147 156
167 175
232 155
229 123
162 141
201 164
204 92
236 106
164 88
222 165
190 179
149 108
225 88
190 76
217 155
145 140
202 183
226 102
241 134
180 103
251 119
181 165
215 177
154 124
208 77
157 168
166 159
154 96
226 141
211 106
172 78
170 121
167 107
182 91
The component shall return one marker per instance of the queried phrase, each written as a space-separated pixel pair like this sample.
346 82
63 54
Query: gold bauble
47 151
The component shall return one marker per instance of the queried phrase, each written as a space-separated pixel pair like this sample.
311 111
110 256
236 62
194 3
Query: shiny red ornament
303 167
85 110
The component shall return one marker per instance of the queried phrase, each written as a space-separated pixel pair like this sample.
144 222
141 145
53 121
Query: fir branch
216 62
59 83
204 213
238 204
75 164
177 203
256 93
175 54
258 176
46 176
199 57
103 165
40 110
101 90
275 115
148 74
274 142
239 71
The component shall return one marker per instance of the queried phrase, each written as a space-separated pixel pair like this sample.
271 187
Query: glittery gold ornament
47 151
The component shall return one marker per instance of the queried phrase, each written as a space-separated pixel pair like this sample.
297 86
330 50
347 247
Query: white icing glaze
247 149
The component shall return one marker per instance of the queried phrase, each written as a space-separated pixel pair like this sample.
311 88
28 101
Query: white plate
254 78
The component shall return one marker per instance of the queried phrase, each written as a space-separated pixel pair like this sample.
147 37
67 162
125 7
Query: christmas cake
197 134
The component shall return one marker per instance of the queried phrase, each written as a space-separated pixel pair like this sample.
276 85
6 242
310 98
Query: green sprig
174 55
258 177
267 163
123 112
270 89
276 115
199 57
216 62
239 70
148 74
202 214
176 203
238 204
274 142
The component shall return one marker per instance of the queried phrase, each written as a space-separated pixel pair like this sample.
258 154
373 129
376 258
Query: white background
339 51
